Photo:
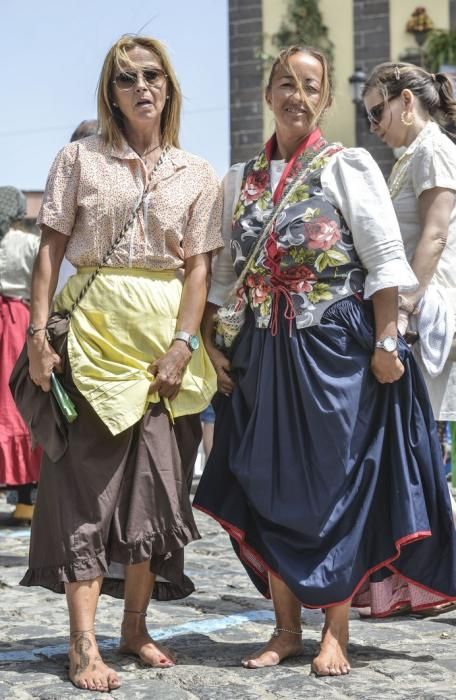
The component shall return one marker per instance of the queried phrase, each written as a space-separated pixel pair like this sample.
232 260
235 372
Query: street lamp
357 80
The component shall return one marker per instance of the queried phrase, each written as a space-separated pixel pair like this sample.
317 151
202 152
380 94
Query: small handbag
230 317
47 413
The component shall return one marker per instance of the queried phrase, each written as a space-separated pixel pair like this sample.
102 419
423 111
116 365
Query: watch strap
182 335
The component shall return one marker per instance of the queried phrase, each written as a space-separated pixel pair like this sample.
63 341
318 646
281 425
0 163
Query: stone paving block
14 693
294 680
449 663
403 658
150 688
436 693
5 690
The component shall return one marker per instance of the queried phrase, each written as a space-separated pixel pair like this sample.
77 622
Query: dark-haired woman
406 107
325 468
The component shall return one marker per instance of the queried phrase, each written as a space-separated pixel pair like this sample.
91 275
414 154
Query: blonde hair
327 89
109 117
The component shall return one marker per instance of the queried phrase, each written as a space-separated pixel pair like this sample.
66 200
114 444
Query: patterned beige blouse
92 190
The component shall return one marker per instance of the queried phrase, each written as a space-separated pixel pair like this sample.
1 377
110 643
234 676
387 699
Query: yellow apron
126 321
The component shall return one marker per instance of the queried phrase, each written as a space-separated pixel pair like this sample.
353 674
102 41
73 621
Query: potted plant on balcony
419 24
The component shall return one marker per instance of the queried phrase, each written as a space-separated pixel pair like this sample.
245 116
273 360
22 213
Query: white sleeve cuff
392 273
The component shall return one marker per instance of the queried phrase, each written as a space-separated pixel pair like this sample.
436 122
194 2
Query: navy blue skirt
325 477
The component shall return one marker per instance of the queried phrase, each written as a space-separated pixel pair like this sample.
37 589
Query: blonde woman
135 368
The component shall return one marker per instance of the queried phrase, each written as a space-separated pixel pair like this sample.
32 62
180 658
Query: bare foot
279 647
332 659
142 645
87 669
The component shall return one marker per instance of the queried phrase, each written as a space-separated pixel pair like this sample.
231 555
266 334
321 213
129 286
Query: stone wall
246 78
372 46
452 14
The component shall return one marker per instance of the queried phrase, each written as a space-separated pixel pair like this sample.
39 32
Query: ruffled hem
19 463
159 548
158 544
383 597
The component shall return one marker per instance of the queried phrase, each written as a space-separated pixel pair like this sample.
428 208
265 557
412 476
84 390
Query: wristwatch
192 341
387 343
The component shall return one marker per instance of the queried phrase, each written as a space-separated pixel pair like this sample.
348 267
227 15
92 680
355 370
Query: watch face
389 344
194 342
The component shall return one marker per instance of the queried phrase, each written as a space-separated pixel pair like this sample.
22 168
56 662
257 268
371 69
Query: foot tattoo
87 669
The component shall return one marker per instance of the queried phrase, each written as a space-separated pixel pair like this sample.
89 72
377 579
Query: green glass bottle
65 403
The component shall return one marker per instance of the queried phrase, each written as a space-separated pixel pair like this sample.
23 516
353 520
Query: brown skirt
116 500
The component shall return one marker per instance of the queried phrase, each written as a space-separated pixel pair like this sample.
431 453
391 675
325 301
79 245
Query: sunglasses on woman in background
375 114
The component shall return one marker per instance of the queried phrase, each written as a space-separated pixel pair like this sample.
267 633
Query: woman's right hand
42 361
222 367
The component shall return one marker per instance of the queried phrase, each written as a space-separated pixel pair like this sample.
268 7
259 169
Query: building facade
364 33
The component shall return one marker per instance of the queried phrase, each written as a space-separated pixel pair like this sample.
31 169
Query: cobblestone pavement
211 630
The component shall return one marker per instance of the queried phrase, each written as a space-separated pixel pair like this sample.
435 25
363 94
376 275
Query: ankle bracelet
278 630
135 612
73 634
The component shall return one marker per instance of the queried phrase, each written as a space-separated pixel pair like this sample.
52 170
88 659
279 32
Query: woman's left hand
168 371
386 366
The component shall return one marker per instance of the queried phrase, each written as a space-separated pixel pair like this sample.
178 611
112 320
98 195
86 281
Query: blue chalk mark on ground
195 626
15 533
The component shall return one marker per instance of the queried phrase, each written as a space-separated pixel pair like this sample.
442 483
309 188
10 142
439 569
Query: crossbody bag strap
271 219
117 240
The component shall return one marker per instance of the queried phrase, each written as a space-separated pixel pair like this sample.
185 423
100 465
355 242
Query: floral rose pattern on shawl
309 258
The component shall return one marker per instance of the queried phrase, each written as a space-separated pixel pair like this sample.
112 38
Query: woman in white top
314 470
405 106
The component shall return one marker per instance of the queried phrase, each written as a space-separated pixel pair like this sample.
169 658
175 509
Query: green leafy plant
303 25
440 49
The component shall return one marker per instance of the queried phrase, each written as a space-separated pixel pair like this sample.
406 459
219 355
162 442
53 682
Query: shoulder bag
47 413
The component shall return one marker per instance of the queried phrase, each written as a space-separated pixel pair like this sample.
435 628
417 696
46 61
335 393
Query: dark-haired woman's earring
167 97
409 121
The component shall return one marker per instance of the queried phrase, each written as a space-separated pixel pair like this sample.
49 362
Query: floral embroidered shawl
309 258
